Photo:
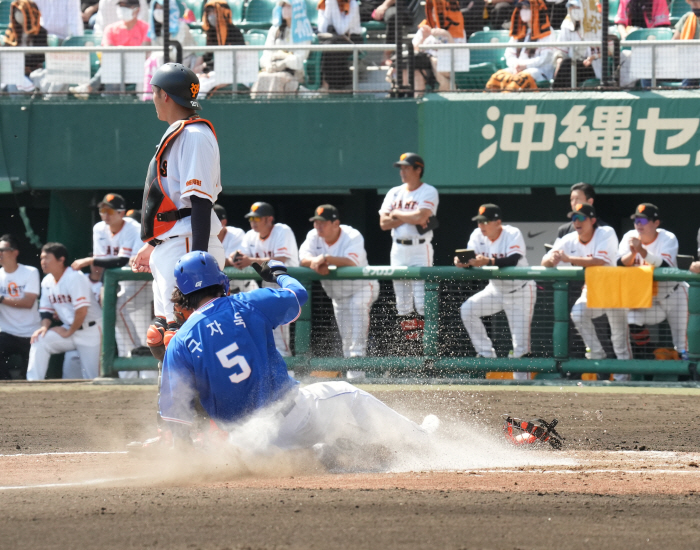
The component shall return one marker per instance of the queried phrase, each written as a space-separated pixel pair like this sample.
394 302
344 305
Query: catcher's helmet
178 82
197 270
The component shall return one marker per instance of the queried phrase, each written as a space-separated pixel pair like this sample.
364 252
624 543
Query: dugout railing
443 352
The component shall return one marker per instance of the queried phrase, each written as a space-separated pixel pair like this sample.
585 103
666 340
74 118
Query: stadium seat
5 6
236 11
258 14
87 40
612 10
649 34
678 9
482 63
255 37
195 5
312 69
53 41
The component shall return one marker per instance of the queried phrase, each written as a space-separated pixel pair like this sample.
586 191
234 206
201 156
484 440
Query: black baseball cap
646 210
585 209
260 209
488 213
114 201
220 212
325 213
410 159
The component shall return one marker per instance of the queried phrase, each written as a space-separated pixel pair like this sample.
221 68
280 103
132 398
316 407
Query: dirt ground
628 477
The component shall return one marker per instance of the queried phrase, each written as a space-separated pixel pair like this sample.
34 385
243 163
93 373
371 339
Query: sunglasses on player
579 218
254 219
107 211
641 221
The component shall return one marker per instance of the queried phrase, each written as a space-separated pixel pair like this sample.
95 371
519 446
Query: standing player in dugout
182 185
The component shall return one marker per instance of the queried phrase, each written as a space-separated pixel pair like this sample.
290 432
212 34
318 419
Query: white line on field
70 453
600 471
75 484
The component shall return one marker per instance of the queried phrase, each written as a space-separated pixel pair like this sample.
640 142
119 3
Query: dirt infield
628 477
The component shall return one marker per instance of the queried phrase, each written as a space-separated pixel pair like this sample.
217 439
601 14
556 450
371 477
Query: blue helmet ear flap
225 283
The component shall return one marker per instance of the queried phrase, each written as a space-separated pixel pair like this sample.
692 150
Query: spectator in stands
66 294
386 11
574 29
499 245
475 14
88 9
107 13
268 240
232 240
217 23
581 193
558 11
282 70
500 13
61 17
641 14
19 315
688 28
526 66
24 30
338 23
179 31
128 31
331 244
646 244
591 246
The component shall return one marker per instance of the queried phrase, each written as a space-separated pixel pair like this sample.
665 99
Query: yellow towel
620 287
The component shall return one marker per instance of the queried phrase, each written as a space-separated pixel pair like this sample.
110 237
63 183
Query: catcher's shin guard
530 432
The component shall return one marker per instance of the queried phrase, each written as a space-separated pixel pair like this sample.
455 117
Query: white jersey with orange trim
190 166
603 245
401 199
72 292
280 243
508 243
350 244
664 246
106 244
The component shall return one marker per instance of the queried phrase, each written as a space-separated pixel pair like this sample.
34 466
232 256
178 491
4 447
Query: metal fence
443 345
463 67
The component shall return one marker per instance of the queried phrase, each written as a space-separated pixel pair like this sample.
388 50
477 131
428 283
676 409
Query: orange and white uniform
516 298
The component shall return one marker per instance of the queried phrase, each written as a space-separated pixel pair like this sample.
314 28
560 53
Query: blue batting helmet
197 270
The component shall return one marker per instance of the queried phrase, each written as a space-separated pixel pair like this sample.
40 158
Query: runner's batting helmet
197 270
178 82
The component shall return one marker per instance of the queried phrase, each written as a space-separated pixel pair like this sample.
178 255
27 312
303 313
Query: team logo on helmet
194 88
254 207
403 157
482 209
319 210
110 197
641 208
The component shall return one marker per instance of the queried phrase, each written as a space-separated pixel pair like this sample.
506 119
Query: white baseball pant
352 316
163 260
87 342
327 411
410 293
133 315
671 305
583 316
518 305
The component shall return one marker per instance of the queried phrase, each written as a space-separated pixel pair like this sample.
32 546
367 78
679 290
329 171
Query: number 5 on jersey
235 361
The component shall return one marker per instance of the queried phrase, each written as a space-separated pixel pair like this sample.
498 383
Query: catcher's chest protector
158 211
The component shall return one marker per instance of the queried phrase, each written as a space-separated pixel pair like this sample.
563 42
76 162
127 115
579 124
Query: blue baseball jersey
225 355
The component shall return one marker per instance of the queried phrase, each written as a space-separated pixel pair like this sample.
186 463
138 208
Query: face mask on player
19 17
525 15
211 18
158 15
576 14
125 14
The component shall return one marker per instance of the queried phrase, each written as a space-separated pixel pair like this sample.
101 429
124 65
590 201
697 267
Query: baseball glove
531 432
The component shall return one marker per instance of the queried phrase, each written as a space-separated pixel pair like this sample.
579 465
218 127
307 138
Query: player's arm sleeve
516 245
132 243
356 249
388 199
98 247
471 243
607 250
305 248
281 306
201 222
46 309
82 292
200 162
287 248
430 202
178 388
33 284
509 261
669 254
107 263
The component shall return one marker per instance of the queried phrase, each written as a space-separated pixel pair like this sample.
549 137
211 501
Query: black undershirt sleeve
107 263
46 315
508 261
201 223
663 264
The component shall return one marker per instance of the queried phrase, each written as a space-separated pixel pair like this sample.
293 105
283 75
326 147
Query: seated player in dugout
647 244
409 211
591 246
223 358
581 193
268 240
499 245
331 243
